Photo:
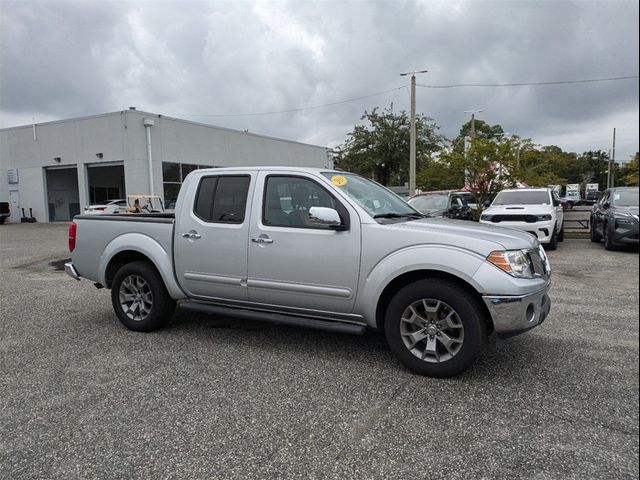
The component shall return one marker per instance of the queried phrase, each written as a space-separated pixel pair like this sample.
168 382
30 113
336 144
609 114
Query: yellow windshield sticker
339 180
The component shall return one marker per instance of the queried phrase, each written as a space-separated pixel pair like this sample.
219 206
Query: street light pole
412 130
473 121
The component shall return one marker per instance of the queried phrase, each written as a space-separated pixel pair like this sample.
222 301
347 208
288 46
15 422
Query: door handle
262 239
192 235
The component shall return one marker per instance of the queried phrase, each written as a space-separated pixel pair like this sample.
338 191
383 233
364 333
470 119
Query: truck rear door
211 235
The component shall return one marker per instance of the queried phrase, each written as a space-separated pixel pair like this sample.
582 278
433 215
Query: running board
277 318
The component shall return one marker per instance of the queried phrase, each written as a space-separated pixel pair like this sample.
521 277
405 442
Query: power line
362 97
299 109
562 82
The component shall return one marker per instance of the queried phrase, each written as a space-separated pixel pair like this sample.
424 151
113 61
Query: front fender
148 247
455 261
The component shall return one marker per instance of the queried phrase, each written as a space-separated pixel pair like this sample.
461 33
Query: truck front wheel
139 297
435 328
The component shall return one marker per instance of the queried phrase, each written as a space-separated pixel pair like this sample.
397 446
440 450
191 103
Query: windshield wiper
399 215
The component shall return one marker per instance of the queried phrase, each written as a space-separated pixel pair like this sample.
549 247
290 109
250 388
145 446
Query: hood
628 210
465 234
519 209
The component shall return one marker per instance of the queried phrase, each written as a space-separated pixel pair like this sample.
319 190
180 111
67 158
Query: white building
58 168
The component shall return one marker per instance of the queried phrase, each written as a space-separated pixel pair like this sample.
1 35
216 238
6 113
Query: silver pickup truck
321 249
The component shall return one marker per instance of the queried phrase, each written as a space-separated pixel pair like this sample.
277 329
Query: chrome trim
300 288
71 271
510 314
215 279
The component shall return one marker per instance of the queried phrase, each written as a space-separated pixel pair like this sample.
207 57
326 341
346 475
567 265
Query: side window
222 199
287 201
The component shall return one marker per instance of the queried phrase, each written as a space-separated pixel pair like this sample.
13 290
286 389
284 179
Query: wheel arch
412 276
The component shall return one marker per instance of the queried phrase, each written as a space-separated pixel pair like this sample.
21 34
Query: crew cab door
292 264
211 235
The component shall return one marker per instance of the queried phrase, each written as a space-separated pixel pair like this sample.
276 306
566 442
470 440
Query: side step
277 318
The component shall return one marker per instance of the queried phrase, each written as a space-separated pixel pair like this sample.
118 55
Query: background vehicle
591 193
572 195
322 249
614 218
534 210
450 205
592 197
143 204
5 212
111 206
470 199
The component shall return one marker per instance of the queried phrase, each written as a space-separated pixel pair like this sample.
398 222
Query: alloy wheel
136 298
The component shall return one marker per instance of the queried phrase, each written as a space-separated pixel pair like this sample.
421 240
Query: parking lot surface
209 397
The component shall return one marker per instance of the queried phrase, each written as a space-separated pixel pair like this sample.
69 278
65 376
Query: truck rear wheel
435 328
139 297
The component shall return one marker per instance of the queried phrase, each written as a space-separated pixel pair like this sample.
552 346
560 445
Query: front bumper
71 271
515 314
542 230
624 234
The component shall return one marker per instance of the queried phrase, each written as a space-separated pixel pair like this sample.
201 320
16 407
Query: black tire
608 243
561 234
2 220
553 243
595 236
154 305
468 314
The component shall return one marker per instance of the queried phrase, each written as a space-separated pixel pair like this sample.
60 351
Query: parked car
110 206
534 210
470 199
321 249
614 218
593 196
434 205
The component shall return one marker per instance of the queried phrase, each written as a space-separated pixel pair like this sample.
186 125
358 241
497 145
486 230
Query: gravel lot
82 397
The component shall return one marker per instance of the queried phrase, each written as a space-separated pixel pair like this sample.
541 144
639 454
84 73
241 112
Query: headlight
623 219
544 217
514 262
486 218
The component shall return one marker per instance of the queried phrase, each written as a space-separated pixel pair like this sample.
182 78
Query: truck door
211 235
293 264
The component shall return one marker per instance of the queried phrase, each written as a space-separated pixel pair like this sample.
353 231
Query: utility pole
612 162
472 133
412 139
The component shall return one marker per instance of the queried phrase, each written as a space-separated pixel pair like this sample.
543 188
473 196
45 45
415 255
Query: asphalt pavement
207 397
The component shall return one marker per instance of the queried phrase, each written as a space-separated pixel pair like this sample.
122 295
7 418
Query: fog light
531 313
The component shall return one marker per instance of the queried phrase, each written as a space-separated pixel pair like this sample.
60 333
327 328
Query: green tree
379 149
482 130
628 173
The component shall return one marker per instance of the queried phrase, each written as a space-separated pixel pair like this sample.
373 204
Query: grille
537 263
514 218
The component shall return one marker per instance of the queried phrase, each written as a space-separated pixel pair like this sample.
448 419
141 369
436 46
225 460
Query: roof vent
132 108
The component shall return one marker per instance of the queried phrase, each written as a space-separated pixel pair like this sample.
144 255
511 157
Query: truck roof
276 168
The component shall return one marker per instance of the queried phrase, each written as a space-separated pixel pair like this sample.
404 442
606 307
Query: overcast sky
67 59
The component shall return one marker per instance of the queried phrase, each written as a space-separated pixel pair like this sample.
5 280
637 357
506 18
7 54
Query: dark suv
615 218
450 205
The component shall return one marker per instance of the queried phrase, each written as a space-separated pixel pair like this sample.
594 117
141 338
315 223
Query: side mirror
456 206
487 203
325 217
606 205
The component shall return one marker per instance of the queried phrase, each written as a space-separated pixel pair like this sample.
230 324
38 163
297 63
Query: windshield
429 202
530 197
625 198
372 197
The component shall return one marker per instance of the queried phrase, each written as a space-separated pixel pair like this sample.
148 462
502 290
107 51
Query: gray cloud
64 59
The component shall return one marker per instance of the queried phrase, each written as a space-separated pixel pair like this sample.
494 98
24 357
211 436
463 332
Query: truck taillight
72 236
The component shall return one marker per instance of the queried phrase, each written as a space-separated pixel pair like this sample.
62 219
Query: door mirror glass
487 203
324 217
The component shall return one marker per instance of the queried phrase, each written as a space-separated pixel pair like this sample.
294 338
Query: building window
173 174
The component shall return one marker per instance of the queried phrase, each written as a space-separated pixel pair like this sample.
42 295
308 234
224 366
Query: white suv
534 210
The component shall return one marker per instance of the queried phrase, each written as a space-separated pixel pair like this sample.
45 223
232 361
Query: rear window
523 198
222 199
